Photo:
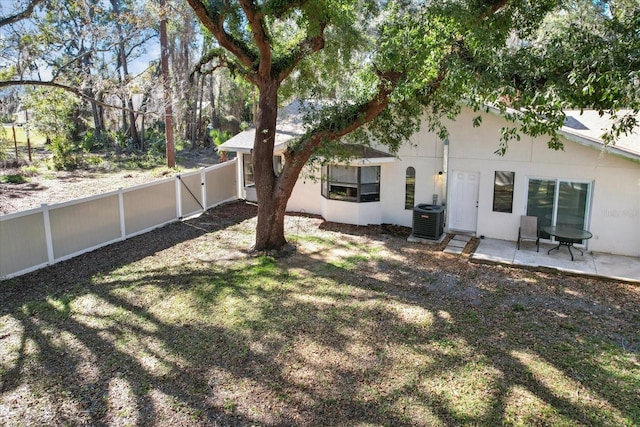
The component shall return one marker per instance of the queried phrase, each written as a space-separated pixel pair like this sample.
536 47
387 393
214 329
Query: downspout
444 170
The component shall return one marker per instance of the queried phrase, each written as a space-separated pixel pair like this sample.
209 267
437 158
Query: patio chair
529 230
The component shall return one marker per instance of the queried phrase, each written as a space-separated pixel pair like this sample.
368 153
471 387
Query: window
248 170
559 202
410 188
503 191
278 165
351 183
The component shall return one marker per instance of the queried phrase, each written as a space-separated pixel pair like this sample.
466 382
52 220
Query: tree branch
278 7
306 46
491 7
214 22
260 36
357 117
76 91
364 113
208 57
21 15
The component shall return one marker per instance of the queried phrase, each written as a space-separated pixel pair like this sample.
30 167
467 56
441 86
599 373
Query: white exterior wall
306 195
614 217
424 152
615 203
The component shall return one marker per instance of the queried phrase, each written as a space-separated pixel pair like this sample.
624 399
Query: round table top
566 232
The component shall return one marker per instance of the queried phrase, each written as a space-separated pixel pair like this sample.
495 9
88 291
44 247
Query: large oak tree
384 64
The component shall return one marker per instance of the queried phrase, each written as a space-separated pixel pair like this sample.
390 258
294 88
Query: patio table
567 236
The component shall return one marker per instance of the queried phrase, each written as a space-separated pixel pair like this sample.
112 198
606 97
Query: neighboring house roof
587 127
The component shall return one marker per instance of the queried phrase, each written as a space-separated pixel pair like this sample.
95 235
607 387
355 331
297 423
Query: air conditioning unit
428 221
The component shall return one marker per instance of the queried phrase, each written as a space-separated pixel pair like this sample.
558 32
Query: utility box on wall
428 221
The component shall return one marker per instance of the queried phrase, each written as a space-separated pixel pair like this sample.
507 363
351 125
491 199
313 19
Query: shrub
66 155
4 141
94 141
219 136
29 170
13 179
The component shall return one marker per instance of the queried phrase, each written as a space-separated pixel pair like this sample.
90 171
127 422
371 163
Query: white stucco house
587 185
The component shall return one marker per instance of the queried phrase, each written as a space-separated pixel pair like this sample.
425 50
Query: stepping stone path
457 244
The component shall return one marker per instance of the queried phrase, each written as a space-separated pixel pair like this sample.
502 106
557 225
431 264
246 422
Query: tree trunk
215 120
166 89
97 123
271 203
199 123
127 101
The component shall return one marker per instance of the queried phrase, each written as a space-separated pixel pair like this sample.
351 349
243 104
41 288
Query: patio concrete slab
617 267
590 264
493 250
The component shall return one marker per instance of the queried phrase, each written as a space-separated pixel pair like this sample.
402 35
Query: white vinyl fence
39 237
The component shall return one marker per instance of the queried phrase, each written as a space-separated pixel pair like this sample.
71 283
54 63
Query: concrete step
457 244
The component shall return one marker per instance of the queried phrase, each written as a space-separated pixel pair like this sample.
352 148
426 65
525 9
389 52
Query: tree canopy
377 67
105 53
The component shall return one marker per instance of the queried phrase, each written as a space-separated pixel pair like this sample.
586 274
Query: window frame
247 164
410 188
503 193
247 170
353 191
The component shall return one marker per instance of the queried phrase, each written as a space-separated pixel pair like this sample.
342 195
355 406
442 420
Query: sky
10 7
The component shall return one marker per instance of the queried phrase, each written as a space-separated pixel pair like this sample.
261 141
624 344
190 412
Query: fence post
47 233
178 198
123 223
203 188
240 176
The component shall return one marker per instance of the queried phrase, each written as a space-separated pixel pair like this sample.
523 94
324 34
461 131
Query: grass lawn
181 326
6 135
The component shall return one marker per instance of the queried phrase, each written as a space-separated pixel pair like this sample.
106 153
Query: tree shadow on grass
303 340
553 338
57 278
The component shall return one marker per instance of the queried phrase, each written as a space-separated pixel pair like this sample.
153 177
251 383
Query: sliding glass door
559 202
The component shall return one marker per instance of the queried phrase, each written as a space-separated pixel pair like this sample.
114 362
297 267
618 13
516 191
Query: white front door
463 201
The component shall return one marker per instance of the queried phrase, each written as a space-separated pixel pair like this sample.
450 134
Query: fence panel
220 183
33 239
81 225
149 206
23 243
191 193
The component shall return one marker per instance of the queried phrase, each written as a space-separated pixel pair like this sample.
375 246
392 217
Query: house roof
362 154
587 127
290 125
583 127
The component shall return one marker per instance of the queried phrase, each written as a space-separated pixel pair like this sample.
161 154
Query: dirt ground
51 187
406 330
499 311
